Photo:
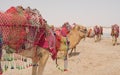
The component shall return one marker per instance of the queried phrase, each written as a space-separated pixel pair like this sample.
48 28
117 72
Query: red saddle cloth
64 31
58 38
115 28
13 36
96 30
13 17
11 10
47 41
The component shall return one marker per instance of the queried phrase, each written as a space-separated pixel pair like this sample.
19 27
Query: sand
91 58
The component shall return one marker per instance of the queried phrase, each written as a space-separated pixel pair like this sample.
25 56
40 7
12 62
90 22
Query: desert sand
91 58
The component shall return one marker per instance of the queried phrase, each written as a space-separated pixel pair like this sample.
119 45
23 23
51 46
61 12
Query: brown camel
65 43
74 35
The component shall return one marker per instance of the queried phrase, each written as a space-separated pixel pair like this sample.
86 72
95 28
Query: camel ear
76 28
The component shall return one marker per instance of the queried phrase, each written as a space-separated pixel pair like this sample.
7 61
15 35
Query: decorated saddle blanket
12 17
12 36
61 42
64 31
96 30
47 40
18 26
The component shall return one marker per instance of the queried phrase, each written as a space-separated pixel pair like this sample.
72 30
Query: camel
73 32
95 33
98 32
69 41
13 36
90 33
114 33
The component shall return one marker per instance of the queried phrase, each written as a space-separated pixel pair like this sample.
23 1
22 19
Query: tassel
12 67
25 60
6 67
21 67
11 62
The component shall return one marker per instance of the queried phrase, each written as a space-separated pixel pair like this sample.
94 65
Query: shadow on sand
74 54
118 43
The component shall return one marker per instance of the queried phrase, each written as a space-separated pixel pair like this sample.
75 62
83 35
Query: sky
84 12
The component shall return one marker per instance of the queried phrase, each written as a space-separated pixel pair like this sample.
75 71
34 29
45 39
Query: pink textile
64 31
47 42
12 10
96 30
58 38
12 19
116 28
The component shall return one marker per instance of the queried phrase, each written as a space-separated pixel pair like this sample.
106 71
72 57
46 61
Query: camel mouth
83 30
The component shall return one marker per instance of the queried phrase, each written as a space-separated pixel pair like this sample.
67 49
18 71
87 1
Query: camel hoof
35 65
65 69
113 44
95 41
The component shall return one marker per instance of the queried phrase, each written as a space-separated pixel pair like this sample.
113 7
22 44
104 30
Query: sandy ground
100 58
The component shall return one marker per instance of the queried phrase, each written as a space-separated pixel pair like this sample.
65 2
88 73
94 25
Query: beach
91 58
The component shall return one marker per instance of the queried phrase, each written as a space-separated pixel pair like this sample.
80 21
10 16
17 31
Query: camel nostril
85 29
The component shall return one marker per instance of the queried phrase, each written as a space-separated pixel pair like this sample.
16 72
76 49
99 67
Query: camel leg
30 53
116 40
100 36
113 40
56 62
34 68
42 61
66 61
71 51
75 49
95 38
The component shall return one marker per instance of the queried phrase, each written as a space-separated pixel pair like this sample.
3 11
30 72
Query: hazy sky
85 12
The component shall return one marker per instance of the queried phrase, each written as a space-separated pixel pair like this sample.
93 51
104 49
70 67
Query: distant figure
90 33
114 33
95 32
100 32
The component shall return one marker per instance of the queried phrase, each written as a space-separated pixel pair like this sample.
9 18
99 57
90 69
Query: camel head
77 33
82 30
